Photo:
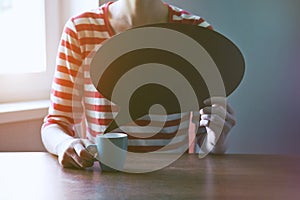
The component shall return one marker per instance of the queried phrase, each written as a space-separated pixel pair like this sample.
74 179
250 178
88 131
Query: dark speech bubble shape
107 72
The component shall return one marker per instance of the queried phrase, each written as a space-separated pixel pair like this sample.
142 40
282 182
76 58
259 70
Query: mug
110 150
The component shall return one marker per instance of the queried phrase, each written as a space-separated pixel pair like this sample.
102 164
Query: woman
72 83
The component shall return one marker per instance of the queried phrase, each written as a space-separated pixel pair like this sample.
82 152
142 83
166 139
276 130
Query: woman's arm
71 151
58 132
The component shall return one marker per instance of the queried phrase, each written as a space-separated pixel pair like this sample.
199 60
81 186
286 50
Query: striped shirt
74 99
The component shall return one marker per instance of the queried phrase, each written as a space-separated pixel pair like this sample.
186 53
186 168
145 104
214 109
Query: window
23 44
29 37
29 40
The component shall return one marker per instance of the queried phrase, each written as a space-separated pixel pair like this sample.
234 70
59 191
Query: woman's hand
218 119
73 154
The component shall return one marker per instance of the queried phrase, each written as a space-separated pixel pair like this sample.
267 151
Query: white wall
267 103
70 8
21 136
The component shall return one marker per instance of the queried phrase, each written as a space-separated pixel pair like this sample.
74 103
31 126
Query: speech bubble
163 69
210 63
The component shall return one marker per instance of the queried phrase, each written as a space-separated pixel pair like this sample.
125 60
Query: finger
67 159
214 109
73 164
84 163
80 162
219 101
230 109
215 122
215 100
230 119
220 111
82 157
89 146
82 152
204 122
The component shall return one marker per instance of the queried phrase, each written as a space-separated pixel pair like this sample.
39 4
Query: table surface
38 175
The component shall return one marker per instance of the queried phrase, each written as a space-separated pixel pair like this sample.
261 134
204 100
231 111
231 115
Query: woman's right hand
73 154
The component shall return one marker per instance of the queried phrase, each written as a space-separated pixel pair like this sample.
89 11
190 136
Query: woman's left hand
218 118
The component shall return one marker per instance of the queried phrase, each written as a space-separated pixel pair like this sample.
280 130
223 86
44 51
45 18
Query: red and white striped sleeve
66 108
80 36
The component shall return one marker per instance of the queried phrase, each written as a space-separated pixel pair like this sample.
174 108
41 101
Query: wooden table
39 176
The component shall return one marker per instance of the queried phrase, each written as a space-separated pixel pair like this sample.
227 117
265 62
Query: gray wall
267 103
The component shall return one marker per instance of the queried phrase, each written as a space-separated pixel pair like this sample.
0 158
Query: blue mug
110 150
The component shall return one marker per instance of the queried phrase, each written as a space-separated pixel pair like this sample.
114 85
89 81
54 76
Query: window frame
35 86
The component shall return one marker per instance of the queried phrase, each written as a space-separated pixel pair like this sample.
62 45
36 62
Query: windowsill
23 111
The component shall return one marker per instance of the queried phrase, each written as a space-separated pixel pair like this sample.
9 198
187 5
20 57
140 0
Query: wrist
63 145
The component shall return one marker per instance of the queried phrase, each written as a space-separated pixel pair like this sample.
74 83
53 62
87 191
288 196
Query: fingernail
201 112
